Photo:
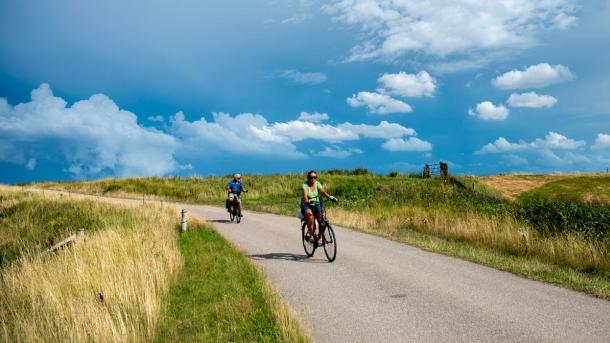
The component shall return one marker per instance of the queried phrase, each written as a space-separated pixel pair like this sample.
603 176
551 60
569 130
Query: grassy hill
591 190
566 242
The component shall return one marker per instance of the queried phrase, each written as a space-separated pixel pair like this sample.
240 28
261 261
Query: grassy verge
108 287
221 297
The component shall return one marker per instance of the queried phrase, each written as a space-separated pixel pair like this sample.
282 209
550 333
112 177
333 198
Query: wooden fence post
183 220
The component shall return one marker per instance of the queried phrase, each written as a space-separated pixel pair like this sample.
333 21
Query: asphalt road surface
382 291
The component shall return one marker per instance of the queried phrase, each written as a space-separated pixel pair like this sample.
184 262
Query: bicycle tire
232 215
330 243
309 247
238 218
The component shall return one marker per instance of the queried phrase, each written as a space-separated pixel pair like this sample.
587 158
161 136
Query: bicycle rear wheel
308 246
330 243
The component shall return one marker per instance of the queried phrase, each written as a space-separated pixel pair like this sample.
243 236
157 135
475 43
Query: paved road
382 291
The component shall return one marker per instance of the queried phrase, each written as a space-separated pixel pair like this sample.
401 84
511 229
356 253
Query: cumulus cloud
486 110
602 141
256 136
94 136
407 85
313 117
337 152
410 144
531 100
243 134
305 78
382 130
378 103
441 28
552 140
536 76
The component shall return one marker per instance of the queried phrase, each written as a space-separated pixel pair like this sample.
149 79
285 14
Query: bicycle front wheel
330 243
308 246
232 215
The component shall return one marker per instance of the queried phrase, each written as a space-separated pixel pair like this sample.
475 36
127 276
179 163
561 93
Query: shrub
393 174
556 216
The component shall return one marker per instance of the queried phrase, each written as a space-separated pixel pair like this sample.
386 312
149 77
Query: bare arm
325 193
305 196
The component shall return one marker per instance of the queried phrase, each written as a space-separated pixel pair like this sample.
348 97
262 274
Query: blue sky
115 88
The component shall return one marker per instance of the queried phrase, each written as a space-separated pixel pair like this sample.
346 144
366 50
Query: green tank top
314 195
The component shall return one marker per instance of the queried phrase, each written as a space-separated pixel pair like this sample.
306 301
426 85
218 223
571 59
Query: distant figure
310 203
234 189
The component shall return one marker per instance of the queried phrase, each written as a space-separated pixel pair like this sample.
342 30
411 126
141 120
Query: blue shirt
235 186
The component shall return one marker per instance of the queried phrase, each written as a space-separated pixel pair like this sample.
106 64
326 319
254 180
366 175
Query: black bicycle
235 211
329 241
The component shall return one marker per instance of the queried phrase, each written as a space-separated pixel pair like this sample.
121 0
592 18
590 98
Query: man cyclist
310 203
234 188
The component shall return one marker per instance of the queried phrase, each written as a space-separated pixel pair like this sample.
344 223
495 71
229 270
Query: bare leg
319 219
310 224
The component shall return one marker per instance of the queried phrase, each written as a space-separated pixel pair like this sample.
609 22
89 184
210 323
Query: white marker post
183 220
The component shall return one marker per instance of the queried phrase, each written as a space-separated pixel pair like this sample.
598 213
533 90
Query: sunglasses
312 177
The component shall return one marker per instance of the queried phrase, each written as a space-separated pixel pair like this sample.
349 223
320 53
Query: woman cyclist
310 203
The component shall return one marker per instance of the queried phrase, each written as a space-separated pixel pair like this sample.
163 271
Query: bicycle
329 241
235 211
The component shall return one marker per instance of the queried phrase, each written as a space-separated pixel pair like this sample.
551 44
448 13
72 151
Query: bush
554 216
393 174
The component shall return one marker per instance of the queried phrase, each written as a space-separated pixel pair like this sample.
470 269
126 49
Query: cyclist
234 189
310 203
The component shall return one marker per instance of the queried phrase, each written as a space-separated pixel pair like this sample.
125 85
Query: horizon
107 89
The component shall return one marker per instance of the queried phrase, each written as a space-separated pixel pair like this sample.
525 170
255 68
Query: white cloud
305 78
297 130
552 140
502 145
410 144
313 117
407 85
488 111
156 119
602 141
382 130
536 76
557 141
336 152
244 134
31 164
255 136
378 103
531 100
94 136
441 28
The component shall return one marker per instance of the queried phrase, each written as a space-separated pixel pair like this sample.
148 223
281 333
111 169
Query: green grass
592 190
29 222
221 297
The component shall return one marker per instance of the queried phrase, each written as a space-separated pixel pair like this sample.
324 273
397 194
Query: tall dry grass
504 234
108 287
